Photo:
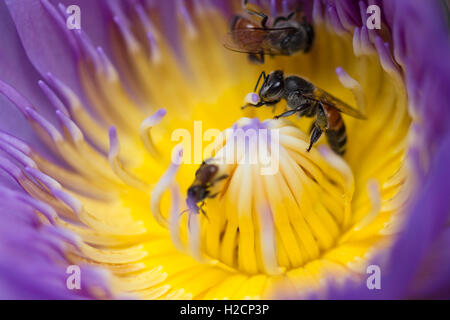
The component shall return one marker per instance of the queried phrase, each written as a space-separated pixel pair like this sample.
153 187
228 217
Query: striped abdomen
336 133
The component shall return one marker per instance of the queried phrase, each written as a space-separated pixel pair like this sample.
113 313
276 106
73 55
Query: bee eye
212 169
191 193
274 88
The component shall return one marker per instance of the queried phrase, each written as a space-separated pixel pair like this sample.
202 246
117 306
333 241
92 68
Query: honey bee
305 99
205 178
285 36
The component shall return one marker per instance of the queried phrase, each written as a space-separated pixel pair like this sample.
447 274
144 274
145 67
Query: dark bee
205 178
286 36
305 99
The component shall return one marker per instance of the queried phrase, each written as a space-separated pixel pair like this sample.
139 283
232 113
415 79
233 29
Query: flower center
280 206
320 213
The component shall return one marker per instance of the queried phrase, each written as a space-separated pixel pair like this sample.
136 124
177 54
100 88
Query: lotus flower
103 129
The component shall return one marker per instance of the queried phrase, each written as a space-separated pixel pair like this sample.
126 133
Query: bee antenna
181 213
262 74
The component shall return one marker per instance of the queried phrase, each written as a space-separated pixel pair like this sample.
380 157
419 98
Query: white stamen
350 83
195 236
117 165
357 43
373 189
174 218
268 243
110 70
144 131
339 164
163 184
187 19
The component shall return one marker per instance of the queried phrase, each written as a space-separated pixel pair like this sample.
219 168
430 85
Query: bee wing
332 101
255 40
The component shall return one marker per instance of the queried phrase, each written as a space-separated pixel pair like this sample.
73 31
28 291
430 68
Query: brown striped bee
286 36
205 178
305 99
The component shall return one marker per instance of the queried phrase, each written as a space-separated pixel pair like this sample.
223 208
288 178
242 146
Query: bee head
196 193
273 86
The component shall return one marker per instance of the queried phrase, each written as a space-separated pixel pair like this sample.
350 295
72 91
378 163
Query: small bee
307 100
205 178
285 37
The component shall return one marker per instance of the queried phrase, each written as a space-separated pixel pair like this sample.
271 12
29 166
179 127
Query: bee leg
220 178
260 14
294 13
313 125
273 104
315 135
182 212
259 104
291 15
256 58
278 19
286 114
261 57
292 111
213 195
210 184
202 210
281 18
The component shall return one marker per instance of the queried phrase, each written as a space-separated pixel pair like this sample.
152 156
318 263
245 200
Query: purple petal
17 71
45 43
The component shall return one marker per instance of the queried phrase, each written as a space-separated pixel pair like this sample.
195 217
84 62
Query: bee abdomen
337 139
